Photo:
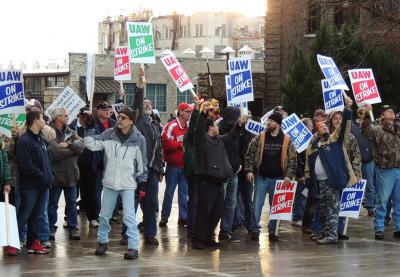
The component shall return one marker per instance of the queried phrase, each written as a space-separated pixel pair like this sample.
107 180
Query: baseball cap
184 107
103 105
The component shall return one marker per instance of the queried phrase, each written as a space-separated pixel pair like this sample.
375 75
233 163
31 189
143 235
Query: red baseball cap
184 107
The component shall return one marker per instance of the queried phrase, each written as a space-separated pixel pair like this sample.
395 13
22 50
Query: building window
197 50
33 88
314 19
199 30
55 81
157 93
218 49
184 31
224 33
186 96
130 89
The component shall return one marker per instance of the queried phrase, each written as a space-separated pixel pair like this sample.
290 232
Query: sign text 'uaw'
298 132
331 73
122 66
241 80
333 99
177 73
141 42
283 200
11 92
364 87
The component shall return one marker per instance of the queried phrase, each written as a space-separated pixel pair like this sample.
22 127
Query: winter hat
277 117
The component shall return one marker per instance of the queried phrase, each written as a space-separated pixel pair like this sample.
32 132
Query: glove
140 192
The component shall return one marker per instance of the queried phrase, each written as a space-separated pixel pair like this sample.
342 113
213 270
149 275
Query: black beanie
277 117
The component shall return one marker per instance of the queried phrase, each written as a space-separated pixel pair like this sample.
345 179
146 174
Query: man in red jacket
172 142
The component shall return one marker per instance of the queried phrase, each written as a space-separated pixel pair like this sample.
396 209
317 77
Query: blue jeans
70 195
108 202
229 205
262 186
387 184
32 207
99 188
299 202
174 176
368 173
192 202
150 204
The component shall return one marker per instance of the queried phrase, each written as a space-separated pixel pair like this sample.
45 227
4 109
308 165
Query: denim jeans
299 202
174 176
239 218
368 173
150 204
108 202
229 205
99 188
245 189
262 186
192 202
70 207
32 207
387 184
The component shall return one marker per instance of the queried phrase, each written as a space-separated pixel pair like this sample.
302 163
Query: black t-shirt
271 161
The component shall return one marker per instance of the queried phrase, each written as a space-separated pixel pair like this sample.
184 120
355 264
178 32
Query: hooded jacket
65 160
189 155
333 155
124 163
230 115
172 142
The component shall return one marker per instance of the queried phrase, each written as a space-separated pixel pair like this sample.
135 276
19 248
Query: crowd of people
222 171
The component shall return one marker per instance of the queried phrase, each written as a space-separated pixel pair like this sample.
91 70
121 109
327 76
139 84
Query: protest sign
254 127
141 42
90 73
331 73
298 132
177 73
229 97
11 92
122 66
10 238
70 100
282 202
266 116
241 81
350 203
116 108
333 99
6 123
364 87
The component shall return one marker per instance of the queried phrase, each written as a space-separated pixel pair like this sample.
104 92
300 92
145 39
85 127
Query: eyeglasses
121 117
187 111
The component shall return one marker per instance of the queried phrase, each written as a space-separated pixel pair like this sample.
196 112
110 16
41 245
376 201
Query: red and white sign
177 72
122 67
364 87
282 203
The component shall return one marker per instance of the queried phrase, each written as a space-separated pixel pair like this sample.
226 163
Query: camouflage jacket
353 151
386 142
254 155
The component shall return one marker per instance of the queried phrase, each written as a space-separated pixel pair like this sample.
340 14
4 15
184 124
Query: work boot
163 222
343 237
74 235
326 241
123 240
273 237
101 249
182 223
379 235
131 254
151 240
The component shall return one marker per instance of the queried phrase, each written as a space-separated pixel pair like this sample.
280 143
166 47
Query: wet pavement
294 255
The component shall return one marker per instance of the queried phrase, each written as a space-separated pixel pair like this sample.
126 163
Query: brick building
292 21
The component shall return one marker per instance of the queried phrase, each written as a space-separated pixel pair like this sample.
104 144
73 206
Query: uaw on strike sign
122 68
241 81
350 204
11 92
177 72
282 203
364 87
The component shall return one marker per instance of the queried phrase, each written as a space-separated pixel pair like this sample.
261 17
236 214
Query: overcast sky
49 29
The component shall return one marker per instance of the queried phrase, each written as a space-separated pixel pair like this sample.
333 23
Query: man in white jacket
125 166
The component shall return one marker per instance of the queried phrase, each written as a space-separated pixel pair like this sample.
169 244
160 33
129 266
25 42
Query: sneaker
74 235
101 249
52 235
315 237
163 222
37 248
326 241
198 245
343 237
212 243
94 223
151 240
131 254
46 244
114 220
10 251
255 236
182 223
379 235
297 223
123 240
273 237
396 234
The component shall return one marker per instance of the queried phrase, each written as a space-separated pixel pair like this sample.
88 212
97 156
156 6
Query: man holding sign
328 167
271 156
385 138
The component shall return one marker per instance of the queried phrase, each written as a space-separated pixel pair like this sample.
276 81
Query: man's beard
148 112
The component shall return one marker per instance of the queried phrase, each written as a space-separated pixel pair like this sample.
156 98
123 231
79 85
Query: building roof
46 72
103 85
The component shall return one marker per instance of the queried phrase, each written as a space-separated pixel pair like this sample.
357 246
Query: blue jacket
333 156
34 162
